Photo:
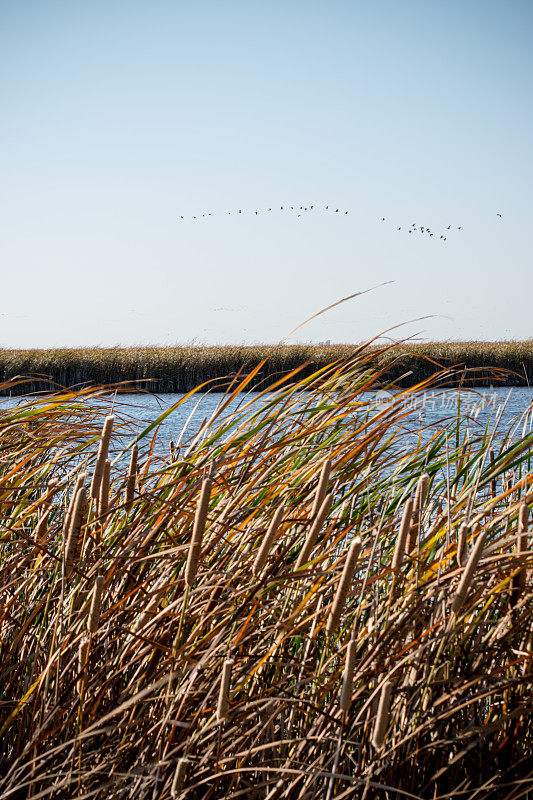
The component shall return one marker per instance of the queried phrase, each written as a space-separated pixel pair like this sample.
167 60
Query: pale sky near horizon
117 118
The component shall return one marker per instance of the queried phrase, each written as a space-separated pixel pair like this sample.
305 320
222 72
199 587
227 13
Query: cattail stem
494 480
347 678
132 475
519 580
312 536
198 532
405 527
223 696
103 450
468 573
267 542
344 585
83 657
96 604
383 715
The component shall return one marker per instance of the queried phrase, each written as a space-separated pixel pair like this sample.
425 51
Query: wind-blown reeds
302 709
96 604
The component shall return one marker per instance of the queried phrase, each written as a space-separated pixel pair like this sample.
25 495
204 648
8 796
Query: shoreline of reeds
180 369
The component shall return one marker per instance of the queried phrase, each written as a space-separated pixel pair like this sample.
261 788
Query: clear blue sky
119 117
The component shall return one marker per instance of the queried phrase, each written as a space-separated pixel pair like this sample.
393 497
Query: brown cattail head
132 475
344 585
468 573
405 527
103 499
418 508
321 488
462 537
180 774
73 545
312 536
83 657
382 716
200 519
96 604
266 544
347 678
80 481
103 450
223 695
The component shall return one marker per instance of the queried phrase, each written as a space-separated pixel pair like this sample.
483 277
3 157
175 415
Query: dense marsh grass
180 369
276 609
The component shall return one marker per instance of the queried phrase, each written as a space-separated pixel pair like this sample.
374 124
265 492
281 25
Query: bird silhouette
448 228
499 215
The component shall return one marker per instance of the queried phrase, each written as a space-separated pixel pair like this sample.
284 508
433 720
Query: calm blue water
431 409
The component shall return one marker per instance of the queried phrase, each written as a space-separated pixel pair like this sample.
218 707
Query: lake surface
432 408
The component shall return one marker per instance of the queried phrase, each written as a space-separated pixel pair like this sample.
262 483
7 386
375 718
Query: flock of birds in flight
301 210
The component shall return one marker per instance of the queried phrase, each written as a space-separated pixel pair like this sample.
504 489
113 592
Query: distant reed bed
303 601
180 369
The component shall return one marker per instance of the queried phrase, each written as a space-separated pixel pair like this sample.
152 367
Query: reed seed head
73 545
405 527
200 519
382 716
347 678
322 487
223 696
344 585
103 499
462 537
103 450
468 573
312 536
266 544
